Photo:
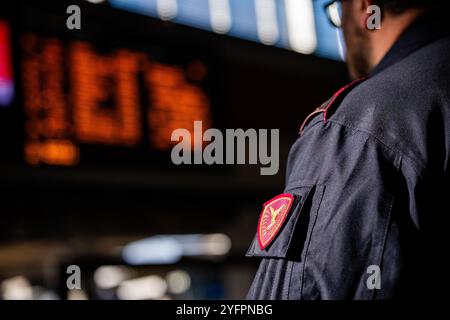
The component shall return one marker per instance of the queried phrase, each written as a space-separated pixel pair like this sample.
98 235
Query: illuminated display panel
298 25
112 94
6 76
76 96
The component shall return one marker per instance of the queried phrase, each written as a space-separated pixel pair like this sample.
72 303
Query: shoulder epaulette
330 105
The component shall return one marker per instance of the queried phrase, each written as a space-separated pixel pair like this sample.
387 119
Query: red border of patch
283 195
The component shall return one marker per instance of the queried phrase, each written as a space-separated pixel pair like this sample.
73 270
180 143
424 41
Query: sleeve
336 246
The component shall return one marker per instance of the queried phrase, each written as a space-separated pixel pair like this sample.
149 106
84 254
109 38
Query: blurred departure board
108 95
112 92
298 25
76 97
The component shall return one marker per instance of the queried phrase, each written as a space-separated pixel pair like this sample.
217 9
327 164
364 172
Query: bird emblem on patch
272 217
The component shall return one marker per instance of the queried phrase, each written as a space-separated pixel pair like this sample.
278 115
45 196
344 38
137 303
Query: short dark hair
400 6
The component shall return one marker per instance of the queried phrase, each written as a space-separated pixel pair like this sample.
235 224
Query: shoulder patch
327 107
272 217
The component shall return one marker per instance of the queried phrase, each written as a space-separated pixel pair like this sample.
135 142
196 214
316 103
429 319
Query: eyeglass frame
328 7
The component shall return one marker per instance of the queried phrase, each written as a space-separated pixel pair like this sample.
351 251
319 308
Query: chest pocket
280 273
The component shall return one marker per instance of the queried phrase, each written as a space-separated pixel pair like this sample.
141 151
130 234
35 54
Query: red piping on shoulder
312 114
338 93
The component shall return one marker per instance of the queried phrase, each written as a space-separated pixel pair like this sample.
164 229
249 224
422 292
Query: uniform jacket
371 172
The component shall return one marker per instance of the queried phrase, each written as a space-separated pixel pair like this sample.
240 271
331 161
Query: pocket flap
286 239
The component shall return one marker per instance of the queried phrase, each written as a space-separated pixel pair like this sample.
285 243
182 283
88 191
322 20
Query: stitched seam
385 233
386 230
311 125
290 278
398 152
302 201
309 241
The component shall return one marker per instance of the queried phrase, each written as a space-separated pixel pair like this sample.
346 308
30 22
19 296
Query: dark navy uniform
371 173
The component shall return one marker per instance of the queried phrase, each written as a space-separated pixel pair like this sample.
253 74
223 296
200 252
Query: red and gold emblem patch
272 218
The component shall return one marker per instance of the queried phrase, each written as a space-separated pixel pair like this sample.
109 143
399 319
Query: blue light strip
194 13
243 20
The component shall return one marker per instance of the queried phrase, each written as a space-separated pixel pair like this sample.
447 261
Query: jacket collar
422 32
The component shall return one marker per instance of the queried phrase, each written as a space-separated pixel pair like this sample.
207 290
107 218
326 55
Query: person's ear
365 12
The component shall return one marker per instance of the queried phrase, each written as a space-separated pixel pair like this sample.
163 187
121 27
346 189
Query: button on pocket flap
275 234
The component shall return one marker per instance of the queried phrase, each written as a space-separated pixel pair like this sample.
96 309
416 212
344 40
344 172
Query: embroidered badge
272 218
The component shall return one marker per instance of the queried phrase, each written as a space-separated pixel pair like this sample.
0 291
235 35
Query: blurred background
85 122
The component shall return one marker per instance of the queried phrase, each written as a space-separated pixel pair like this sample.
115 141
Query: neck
391 29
